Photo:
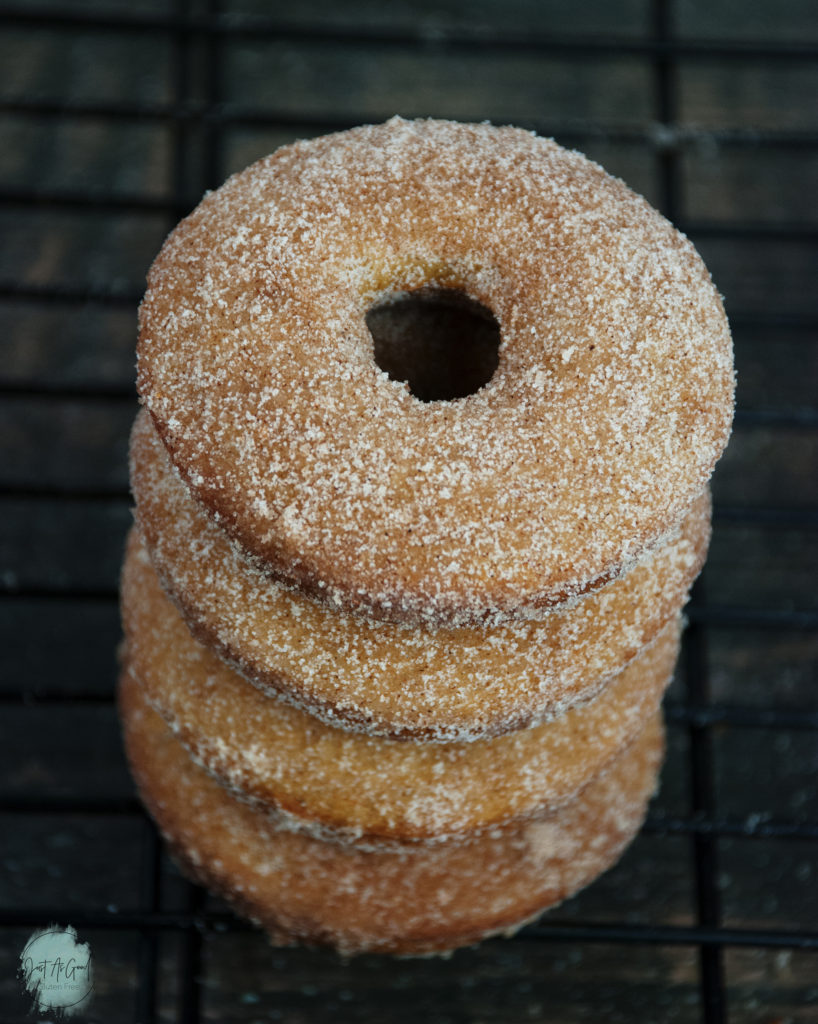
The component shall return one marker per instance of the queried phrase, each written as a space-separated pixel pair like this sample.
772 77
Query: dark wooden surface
85 201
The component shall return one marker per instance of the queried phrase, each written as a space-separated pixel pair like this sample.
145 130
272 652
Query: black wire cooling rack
113 120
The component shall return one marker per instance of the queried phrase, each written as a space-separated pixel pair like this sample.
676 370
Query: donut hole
440 342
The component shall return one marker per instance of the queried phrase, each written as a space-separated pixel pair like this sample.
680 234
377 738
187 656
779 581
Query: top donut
611 402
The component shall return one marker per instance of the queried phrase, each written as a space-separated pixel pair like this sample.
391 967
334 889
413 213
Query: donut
611 400
385 679
412 900
367 789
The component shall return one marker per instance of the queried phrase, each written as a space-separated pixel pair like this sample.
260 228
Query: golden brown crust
391 680
610 405
418 900
368 788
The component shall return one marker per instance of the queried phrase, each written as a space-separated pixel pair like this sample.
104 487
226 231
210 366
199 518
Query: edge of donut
391 601
406 608
290 814
281 686
286 927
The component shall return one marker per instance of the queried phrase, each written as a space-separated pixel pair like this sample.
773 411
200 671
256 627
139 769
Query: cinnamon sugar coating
611 402
368 789
412 900
394 680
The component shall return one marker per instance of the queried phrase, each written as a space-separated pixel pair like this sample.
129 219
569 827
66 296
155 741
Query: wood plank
771 668
755 277
369 82
63 546
767 185
77 65
749 94
63 752
81 249
776 368
765 771
760 567
769 466
57 346
502 981
70 444
629 17
85 156
58 646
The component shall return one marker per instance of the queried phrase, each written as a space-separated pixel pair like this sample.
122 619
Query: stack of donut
393 667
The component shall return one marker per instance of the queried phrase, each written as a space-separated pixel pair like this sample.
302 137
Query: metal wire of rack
74 513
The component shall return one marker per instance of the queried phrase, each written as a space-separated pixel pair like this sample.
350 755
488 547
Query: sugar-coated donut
414 900
393 680
611 402
371 790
